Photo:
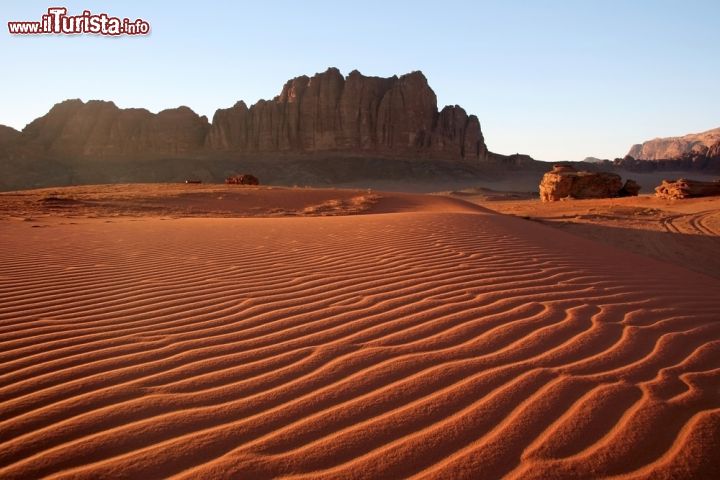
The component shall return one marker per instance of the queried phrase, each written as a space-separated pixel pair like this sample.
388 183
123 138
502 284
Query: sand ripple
429 345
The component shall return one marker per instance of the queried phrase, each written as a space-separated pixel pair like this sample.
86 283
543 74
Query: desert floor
156 331
684 232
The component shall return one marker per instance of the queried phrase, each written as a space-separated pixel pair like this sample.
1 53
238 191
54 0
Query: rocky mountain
329 112
8 134
705 144
396 116
99 129
696 152
366 126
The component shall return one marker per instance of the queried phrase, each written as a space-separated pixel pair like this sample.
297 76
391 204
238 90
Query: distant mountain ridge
368 121
705 144
327 129
323 113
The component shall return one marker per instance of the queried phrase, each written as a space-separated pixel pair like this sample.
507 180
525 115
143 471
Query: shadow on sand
692 251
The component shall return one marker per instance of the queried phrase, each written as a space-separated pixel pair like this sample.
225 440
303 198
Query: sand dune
685 232
439 341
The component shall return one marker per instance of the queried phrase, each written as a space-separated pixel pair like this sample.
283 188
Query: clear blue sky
554 79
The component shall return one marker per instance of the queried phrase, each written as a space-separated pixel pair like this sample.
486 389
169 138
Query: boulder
565 181
685 188
245 179
630 189
249 180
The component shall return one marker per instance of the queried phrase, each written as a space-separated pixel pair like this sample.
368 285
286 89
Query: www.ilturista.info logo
57 21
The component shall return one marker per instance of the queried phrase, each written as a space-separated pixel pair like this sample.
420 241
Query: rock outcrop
686 163
245 179
714 151
8 136
358 114
684 188
320 130
566 182
99 129
706 144
630 189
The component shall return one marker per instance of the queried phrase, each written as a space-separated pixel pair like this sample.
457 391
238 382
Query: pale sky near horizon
558 80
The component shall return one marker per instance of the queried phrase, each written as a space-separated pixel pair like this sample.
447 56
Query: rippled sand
427 337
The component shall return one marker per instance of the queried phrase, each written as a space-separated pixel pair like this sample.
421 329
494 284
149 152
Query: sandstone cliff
706 144
99 129
8 136
320 130
366 115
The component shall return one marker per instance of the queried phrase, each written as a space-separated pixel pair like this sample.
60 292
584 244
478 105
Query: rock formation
245 179
705 144
687 162
684 188
566 182
630 189
358 114
8 136
714 151
99 129
320 130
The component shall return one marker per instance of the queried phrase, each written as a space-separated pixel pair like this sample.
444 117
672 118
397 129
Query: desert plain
211 331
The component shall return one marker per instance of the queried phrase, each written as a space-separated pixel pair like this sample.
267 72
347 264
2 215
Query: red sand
684 232
440 342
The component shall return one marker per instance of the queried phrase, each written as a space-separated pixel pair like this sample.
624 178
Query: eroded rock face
329 112
8 134
705 144
358 108
327 128
714 150
176 130
566 182
686 188
101 129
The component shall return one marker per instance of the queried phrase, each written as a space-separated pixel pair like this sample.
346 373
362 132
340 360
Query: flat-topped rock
686 188
565 181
